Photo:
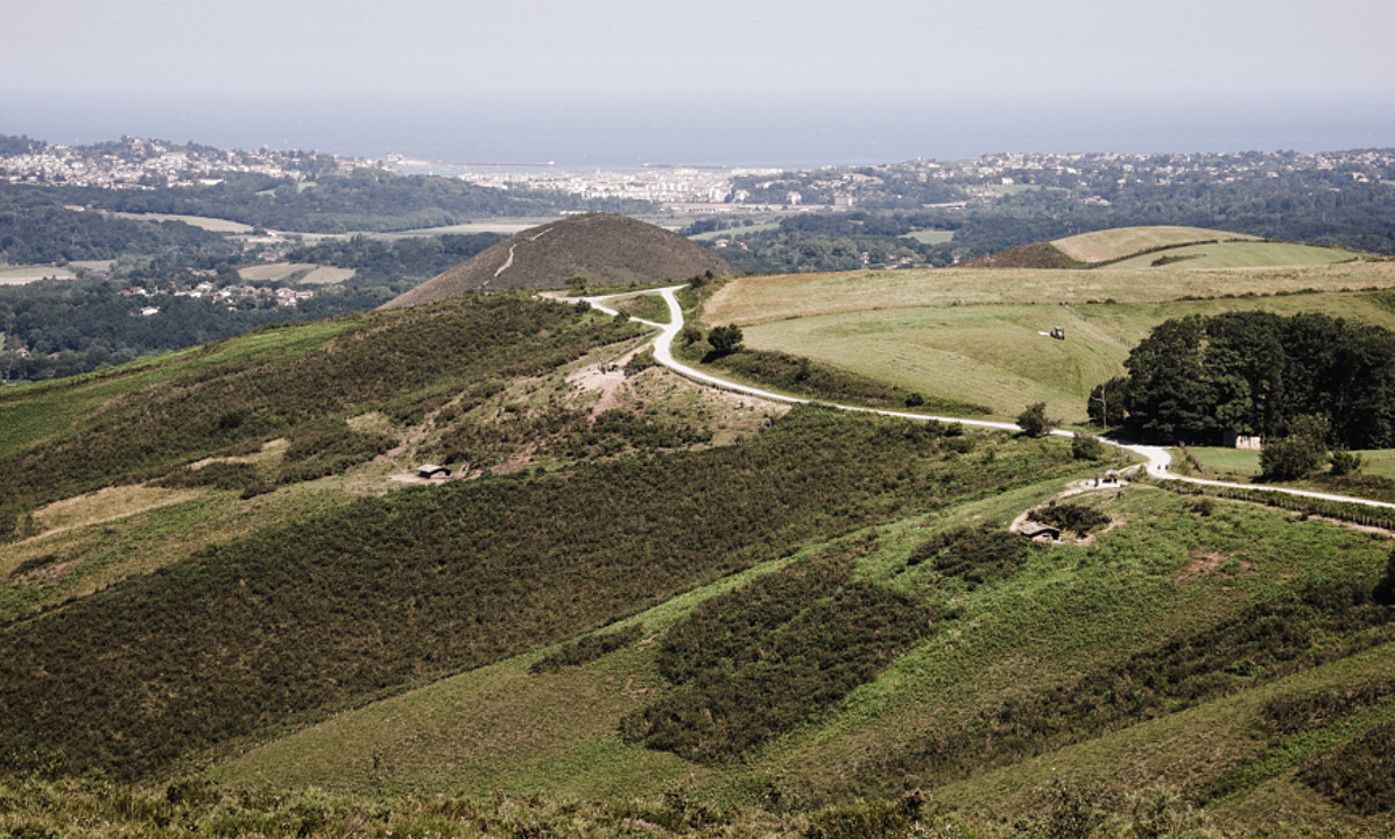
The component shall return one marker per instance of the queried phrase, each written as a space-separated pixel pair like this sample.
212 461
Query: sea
580 131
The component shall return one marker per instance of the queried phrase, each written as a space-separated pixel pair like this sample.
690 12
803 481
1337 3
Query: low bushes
726 631
1257 645
352 602
1075 518
1295 714
402 363
587 649
1360 775
976 555
829 648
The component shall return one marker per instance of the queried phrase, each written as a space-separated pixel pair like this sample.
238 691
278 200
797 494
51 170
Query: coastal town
135 164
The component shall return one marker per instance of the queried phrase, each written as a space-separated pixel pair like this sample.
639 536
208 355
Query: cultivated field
215 225
750 300
1236 255
306 273
1119 242
1242 464
931 237
25 274
734 231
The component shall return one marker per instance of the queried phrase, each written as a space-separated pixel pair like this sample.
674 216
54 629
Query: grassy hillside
433 581
602 250
1124 608
980 343
399 365
1119 242
1236 255
749 300
644 605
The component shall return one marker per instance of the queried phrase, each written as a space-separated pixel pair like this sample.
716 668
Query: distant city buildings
134 163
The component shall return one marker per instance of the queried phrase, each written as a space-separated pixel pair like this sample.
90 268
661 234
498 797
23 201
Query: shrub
1290 458
974 554
587 649
1261 643
1345 462
1360 775
810 663
914 399
403 363
1385 589
1033 421
1294 714
871 819
1076 518
639 362
220 475
342 604
724 340
727 630
1086 447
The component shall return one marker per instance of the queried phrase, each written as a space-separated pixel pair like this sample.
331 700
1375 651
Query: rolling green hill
1119 242
1158 246
976 335
228 605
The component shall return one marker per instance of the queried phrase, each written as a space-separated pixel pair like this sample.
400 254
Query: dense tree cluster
365 199
1258 373
35 227
67 327
395 264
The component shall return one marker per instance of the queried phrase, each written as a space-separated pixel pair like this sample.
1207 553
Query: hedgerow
386 592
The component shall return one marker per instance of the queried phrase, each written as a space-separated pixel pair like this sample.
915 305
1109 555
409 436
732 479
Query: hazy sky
962 48
737 81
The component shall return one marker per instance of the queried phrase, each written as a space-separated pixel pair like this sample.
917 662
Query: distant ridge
603 248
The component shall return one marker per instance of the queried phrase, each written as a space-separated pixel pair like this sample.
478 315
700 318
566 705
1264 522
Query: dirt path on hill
1158 459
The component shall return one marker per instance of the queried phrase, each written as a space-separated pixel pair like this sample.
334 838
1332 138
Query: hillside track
1158 460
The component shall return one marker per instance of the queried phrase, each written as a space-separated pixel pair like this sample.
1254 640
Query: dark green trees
1257 373
1109 402
725 340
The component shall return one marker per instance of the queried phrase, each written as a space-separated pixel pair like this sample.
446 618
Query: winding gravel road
1159 459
